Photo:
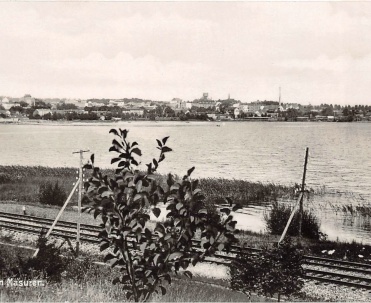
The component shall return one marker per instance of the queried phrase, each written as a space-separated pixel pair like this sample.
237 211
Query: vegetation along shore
44 189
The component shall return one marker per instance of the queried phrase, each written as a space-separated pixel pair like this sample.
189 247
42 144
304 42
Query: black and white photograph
185 151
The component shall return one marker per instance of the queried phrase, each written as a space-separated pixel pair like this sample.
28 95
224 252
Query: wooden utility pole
300 201
302 194
59 214
79 201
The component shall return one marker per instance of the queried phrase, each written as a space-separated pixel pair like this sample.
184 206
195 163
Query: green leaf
124 133
196 191
104 246
166 149
165 139
113 131
160 190
229 200
96 213
170 180
236 207
136 151
188 274
143 247
168 236
175 186
113 148
189 172
175 255
115 160
87 166
102 189
163 290
92 158
225 210
139 186
156 211
108 257
156 258
159 143
202 211
220 246
147 233
116 143
195 259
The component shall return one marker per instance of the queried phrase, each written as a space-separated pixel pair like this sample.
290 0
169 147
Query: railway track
357 275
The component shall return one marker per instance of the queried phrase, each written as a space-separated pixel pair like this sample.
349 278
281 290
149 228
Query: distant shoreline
13 121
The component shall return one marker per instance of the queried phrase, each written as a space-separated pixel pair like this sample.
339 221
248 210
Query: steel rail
345 268
342 262
337 278
67 224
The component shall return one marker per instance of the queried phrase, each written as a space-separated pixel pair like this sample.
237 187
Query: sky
317 52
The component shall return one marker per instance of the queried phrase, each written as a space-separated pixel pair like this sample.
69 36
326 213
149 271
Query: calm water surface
339 157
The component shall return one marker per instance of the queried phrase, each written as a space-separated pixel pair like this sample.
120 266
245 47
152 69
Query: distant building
178 104
41 112
244 107
236 112
255 107
79 103
204 102
28 99
136 111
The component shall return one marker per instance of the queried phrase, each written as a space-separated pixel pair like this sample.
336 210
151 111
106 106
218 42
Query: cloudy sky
318 52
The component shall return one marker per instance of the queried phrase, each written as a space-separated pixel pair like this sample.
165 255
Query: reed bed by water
22 183
244 192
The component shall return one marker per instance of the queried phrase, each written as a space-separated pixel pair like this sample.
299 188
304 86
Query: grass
243 192
22 183
95 285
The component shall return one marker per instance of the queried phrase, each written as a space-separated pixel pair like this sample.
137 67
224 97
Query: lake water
339 157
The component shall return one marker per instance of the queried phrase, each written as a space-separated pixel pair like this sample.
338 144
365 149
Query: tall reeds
21 183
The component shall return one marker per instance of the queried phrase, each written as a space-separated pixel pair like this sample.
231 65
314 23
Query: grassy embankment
92 283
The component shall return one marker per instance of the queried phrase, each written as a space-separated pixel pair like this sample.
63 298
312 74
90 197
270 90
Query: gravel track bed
319 291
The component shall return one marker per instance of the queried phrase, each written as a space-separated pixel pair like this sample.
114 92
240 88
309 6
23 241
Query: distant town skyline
317 52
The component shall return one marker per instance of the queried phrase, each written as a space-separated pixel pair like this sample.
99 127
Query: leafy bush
5 178
277 218
48 263
146 257
52 195
273 271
